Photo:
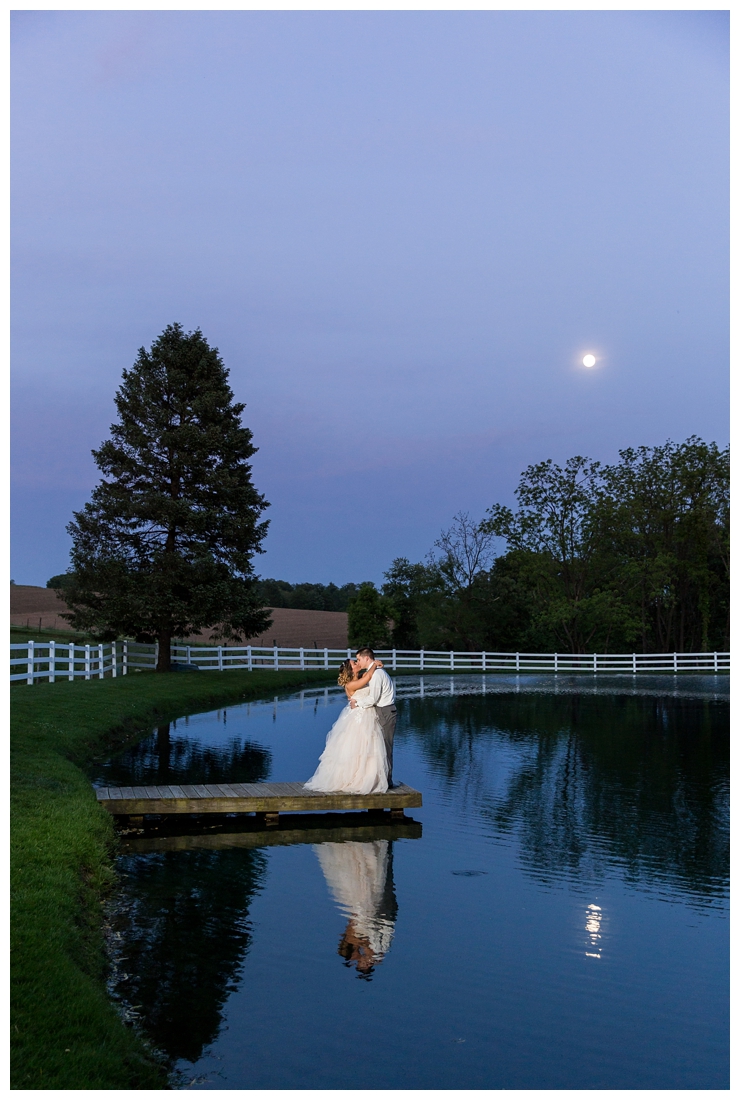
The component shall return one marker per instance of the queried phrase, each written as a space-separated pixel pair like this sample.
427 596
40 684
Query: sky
402 230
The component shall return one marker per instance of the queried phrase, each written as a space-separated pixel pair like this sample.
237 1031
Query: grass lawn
22 634
65 1032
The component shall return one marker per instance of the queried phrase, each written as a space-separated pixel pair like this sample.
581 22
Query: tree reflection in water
184 920
166 756
637 781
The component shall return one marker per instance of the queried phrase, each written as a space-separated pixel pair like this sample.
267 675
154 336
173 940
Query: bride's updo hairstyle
346 673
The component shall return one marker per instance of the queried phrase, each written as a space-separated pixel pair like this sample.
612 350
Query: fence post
326 657
483 662
71 660
101 661
556 661
302 661
277 660
393 661
349 653
715 662
52 661
517 662
220 658
87 662
452 659
124 670
594 662
156 654
675 662
29 667
421 659
187 653
634 663
113 658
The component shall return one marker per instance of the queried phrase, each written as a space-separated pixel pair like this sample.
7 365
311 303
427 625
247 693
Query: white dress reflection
359 875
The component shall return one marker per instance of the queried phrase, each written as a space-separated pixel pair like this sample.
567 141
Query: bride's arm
355 685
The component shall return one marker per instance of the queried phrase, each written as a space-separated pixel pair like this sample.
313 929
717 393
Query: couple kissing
358 757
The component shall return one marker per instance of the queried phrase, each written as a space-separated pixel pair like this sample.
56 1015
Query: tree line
274 593
627 557
305 597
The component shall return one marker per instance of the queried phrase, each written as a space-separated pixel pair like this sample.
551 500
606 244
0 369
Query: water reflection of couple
359 875
358 757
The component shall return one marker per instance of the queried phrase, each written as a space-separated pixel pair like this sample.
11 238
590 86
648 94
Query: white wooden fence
31 661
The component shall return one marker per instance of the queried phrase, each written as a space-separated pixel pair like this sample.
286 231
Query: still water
555 919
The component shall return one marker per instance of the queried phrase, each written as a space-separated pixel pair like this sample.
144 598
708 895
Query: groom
382 696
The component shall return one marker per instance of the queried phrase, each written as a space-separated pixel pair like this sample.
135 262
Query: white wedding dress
354 760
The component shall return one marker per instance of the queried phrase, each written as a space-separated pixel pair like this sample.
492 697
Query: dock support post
397 815
272 819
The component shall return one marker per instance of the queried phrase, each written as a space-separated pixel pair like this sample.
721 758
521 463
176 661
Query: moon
589 360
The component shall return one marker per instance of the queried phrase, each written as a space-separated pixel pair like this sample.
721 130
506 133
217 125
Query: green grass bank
65 1033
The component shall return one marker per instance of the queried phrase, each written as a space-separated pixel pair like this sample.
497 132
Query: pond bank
66 1034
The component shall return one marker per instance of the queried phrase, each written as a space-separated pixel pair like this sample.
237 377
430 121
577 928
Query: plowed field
41 608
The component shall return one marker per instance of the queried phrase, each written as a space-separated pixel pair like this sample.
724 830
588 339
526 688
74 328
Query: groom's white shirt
380 692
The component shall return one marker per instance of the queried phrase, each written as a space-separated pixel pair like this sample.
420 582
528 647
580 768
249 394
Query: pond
555 916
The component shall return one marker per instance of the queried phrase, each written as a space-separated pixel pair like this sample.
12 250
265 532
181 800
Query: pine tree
164 547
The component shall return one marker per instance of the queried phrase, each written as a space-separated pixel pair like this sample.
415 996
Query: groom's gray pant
387 717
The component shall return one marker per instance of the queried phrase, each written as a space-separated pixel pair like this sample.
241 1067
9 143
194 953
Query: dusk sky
402 230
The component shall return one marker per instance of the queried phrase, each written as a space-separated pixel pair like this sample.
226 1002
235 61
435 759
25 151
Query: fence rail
31 661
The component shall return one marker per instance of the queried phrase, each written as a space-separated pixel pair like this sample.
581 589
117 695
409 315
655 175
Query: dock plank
229 790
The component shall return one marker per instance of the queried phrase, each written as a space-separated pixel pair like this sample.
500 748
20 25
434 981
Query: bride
354 759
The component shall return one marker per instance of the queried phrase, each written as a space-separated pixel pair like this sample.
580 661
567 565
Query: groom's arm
375 687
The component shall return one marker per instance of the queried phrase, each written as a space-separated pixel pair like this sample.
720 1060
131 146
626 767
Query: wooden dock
269 799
